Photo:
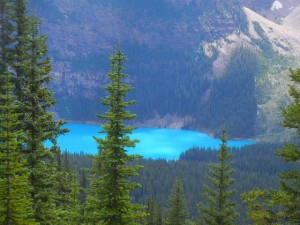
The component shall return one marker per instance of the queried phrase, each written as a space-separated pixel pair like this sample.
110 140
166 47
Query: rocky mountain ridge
284 40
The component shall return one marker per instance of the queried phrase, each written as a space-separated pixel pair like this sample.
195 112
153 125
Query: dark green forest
256 184
256 167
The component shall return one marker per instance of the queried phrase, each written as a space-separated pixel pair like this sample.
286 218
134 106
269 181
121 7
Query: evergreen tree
219 209
290 181
151 219
68 204
15 200
159 213
6 35
283 205
110 202
154 213
177 212
23 51
21 48
263 206
32 68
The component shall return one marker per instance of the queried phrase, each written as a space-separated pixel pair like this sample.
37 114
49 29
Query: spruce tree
25 53
32 68
109 202
177 212
159 215
7 29
151 217
290 181
21 47
68 204
154 213
15 199
282 206
219 209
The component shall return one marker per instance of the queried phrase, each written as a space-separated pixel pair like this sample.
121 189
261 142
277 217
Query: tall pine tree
15 199
21 47
177 212
7 29
109 202
31 68
282 206
290 181
68 190
154 213
219 209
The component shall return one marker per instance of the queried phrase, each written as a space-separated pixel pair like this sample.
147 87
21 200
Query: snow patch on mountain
276 5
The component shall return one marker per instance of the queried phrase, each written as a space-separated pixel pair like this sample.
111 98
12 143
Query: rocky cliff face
177 50
278 45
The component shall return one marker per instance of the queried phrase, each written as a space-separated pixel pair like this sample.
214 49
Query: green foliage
219 209
177 211
32 67
6 33
282 206
68 205
24 53
234 93
256 167
263 206
15 200
109 202
151 213
290 180
154 213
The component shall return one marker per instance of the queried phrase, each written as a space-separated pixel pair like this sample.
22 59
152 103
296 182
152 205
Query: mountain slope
180 56
285 38
277 48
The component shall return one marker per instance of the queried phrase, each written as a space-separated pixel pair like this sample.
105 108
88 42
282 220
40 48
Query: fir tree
151 218
21 48
110 202
24 52
219 209
282 206
7 29
154 213
263 206
177 212
290 181
15 199
68 206
159 215
32 68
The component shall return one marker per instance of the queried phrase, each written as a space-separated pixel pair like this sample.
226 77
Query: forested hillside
180 55
256 167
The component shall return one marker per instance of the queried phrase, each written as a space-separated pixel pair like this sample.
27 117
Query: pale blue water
154 142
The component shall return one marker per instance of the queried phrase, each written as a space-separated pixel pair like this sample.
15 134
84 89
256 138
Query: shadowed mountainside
176 62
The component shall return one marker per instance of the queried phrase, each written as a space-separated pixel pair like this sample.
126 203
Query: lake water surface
154 142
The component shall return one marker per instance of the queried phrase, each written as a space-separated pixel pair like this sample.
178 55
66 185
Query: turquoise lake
154 143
